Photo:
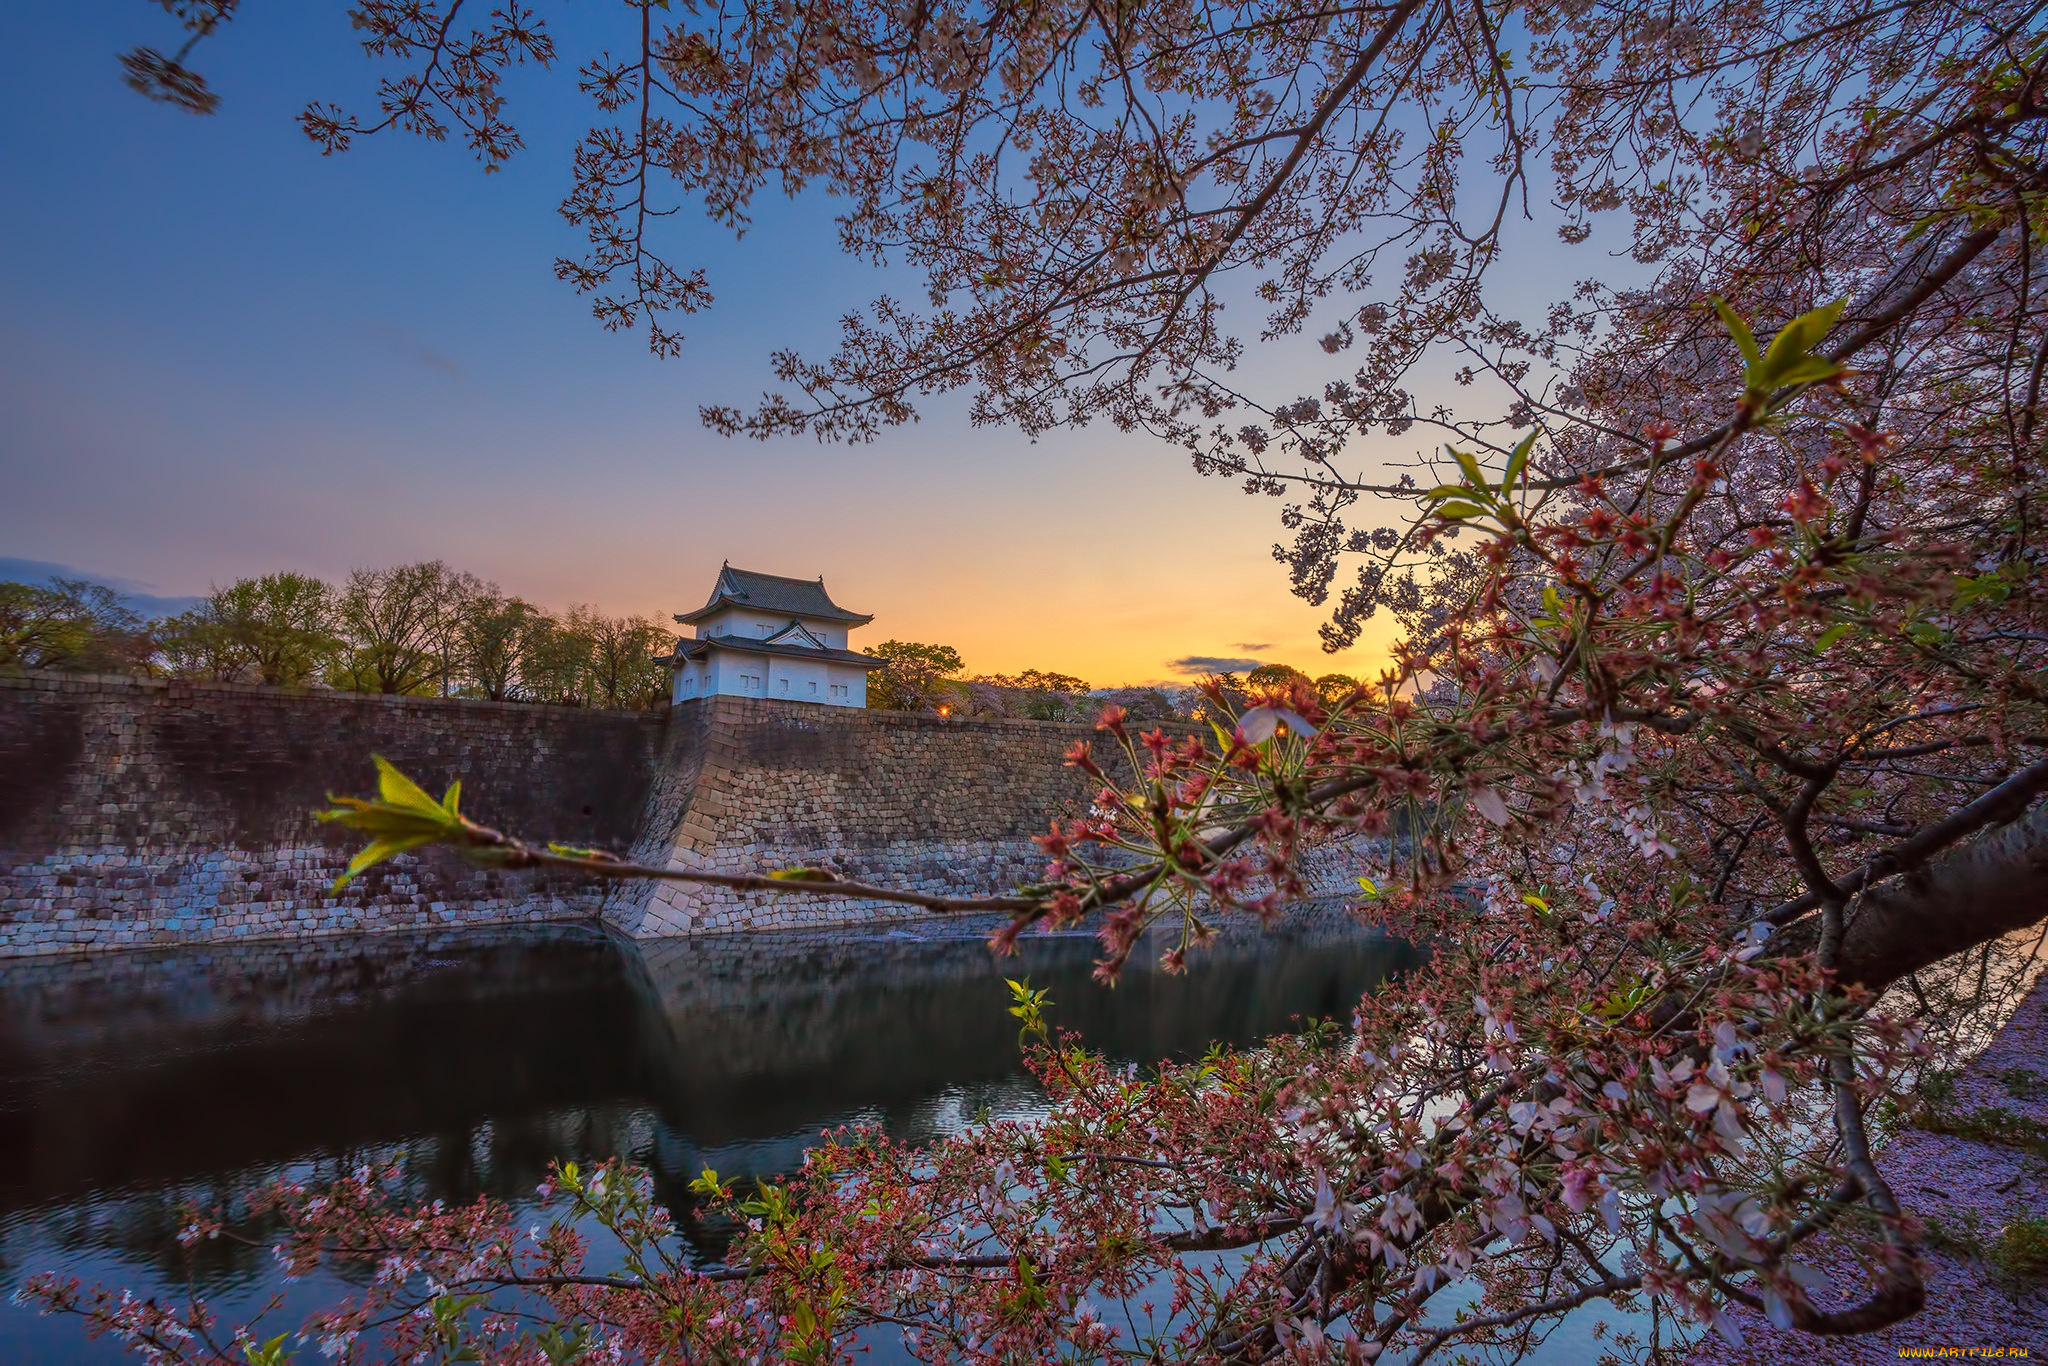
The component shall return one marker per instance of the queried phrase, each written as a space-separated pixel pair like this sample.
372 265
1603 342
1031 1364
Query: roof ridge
763 574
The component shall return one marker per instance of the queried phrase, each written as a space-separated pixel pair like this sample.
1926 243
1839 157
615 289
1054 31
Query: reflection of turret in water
791 1030
759 1042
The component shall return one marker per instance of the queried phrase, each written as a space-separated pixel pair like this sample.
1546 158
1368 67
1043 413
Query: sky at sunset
221 354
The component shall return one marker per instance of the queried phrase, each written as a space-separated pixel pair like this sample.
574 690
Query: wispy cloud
408 343
1212 664
1259 647
13 570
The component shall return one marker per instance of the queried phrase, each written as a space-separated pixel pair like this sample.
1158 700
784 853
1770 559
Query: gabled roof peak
797 634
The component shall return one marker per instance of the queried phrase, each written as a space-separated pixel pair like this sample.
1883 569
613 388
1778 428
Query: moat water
132 1084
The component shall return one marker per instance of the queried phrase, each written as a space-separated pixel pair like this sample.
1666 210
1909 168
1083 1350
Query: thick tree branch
1989 887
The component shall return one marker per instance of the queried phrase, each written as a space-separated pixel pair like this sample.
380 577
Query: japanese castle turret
762 635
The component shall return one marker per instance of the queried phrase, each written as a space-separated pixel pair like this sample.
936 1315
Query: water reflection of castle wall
146 1070
172 999
163 1066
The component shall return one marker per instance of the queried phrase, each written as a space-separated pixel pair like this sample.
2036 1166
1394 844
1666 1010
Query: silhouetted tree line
417 629
933 679
427 630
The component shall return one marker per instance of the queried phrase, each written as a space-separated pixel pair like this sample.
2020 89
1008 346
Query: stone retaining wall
140 812
946 805
135 811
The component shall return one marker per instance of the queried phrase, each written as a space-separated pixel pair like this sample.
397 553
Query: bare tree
395 623
70 624
491 636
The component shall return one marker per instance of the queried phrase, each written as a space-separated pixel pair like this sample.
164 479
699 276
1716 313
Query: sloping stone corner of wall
946 806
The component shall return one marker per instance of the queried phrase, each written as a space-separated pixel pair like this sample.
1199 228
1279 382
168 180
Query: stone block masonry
135 811
935 804
946 805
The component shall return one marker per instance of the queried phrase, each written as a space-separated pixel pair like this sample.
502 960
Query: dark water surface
133 1083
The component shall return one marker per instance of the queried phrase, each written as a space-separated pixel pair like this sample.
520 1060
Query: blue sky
223 354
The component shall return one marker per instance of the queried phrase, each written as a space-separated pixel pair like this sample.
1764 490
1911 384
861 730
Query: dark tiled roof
773 594
745 645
